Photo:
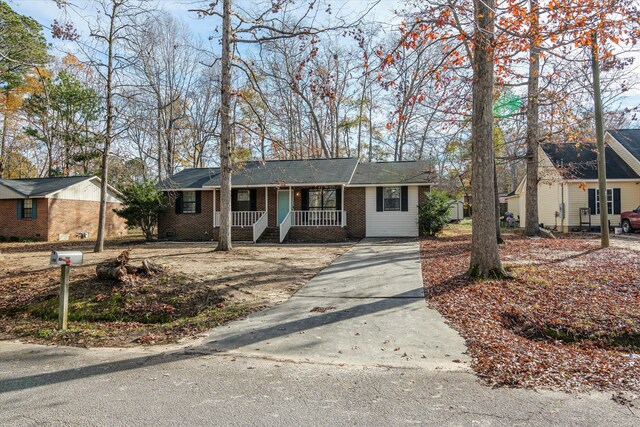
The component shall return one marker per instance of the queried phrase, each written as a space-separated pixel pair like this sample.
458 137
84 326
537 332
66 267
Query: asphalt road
52 386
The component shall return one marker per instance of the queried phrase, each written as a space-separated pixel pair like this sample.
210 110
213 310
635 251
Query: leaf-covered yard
570 319
199 289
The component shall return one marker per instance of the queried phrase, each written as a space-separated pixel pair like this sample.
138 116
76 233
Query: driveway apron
367 308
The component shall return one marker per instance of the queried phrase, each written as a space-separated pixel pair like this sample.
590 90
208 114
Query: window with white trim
609 201
391 198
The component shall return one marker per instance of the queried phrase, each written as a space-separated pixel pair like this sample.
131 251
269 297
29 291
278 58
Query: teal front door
283 205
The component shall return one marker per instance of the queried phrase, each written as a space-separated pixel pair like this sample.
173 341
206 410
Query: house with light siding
568 194
299 200
56 209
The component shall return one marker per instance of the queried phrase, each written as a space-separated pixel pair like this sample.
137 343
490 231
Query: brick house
51 209
299 200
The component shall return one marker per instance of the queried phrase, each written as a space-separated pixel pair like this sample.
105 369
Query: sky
45 11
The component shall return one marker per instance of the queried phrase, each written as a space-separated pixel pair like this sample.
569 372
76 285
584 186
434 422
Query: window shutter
19 209
379 199
616 201
179 202
34 208
198 202
592 201
253 196
234 200
338 199
304 198
404 198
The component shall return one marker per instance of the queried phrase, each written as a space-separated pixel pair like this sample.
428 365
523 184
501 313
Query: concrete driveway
367 308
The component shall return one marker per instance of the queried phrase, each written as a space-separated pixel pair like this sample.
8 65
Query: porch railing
259 226
285 225
319 218
240 218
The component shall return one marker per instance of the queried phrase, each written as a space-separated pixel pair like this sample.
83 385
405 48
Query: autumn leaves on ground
570 319
198 290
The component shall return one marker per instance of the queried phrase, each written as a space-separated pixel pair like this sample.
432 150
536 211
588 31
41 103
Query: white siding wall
392 224
87 190
7 193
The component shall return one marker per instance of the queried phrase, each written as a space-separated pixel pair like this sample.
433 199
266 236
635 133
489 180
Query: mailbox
66 258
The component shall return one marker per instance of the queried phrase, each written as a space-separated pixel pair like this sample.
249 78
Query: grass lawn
569 320
199 289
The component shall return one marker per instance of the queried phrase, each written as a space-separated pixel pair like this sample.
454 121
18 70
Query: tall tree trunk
602 167
370 124
485 258
224 240
5 126
497 201
533 129
99 247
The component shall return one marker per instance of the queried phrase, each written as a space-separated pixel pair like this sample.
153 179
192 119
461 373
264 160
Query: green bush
143 203
433 214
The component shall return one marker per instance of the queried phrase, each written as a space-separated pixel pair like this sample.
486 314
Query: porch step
270 235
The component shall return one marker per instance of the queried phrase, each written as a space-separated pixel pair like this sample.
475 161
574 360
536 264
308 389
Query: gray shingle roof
305 172
189 178
291 172
37 187
414 172
581 162
630 139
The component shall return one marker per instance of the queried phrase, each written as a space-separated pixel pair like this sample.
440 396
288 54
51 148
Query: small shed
456 213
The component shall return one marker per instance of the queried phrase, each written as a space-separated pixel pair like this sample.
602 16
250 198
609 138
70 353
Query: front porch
254 210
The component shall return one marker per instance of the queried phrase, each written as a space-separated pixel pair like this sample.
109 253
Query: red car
630 220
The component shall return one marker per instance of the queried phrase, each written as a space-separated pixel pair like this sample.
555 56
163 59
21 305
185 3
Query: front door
283 205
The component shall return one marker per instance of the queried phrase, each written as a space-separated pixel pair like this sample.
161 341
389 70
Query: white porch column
290 200
214 209
342 205
266 201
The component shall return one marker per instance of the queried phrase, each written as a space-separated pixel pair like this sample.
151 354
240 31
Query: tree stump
119 269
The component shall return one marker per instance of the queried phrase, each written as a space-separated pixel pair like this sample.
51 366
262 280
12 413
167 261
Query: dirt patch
199 289
569 320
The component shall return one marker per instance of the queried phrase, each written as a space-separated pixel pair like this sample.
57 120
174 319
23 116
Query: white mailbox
66 258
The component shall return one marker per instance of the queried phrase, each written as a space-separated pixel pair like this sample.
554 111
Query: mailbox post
65 260
63 311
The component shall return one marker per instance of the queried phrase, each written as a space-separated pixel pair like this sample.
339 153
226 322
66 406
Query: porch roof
290 172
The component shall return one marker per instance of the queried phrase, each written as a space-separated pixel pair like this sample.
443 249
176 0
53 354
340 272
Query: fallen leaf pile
570 319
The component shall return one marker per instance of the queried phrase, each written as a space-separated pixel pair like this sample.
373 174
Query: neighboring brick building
299 200
51 209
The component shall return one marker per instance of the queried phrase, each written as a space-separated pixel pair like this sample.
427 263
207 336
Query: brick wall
355 205
13 228
318 234
59 216
421 190
76 216
187 226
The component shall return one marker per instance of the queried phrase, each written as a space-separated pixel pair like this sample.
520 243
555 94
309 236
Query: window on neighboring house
244 200
609 201
189 202
391 198
322 199
27 208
